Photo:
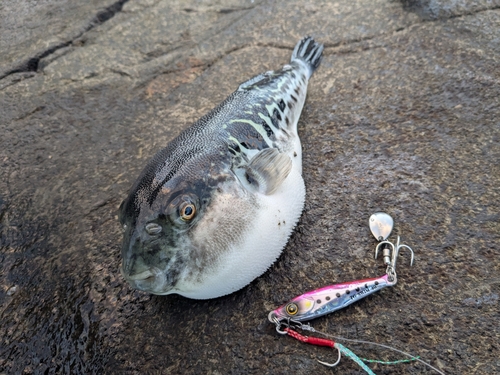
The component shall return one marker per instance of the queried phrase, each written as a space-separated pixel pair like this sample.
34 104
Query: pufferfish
214 208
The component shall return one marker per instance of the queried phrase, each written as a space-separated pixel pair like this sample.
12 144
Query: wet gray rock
402 116
32 31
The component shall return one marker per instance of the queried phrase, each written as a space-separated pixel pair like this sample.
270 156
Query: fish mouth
141 276
150 281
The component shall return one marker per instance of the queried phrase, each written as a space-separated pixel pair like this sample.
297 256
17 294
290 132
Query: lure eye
187 211
292 309
153 228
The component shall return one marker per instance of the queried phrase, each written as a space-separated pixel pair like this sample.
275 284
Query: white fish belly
262 243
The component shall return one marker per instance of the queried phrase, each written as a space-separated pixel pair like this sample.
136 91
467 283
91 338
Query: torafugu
215 208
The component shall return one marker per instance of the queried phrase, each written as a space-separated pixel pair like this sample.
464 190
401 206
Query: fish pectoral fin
267 170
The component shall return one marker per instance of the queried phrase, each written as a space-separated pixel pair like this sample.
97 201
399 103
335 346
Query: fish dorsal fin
247 85
267 170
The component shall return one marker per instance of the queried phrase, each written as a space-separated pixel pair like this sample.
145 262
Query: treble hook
332 364
381 225
390 255
396 253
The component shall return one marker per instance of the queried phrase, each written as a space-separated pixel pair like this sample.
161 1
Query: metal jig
325 300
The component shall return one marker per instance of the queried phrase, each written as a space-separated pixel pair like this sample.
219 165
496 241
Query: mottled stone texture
403 116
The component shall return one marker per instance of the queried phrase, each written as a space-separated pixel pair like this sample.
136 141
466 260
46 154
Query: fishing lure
331 298
335 297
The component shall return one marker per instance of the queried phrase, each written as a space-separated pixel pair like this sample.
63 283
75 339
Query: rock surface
403 116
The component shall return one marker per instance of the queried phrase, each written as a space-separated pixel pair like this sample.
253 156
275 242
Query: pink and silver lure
328 299
334 297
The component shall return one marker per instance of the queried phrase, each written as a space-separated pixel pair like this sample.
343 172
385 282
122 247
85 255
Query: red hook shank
309 340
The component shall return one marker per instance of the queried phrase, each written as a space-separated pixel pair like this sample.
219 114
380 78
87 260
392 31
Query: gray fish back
262 113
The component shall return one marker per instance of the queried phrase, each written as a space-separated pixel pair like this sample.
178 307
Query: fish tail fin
309 52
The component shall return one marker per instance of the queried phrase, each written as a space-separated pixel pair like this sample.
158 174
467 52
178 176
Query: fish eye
153 228
292 309
182 209
187 211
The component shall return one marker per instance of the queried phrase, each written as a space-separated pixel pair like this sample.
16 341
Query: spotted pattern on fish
240 168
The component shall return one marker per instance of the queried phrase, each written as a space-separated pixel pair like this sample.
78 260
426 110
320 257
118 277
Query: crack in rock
31 64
